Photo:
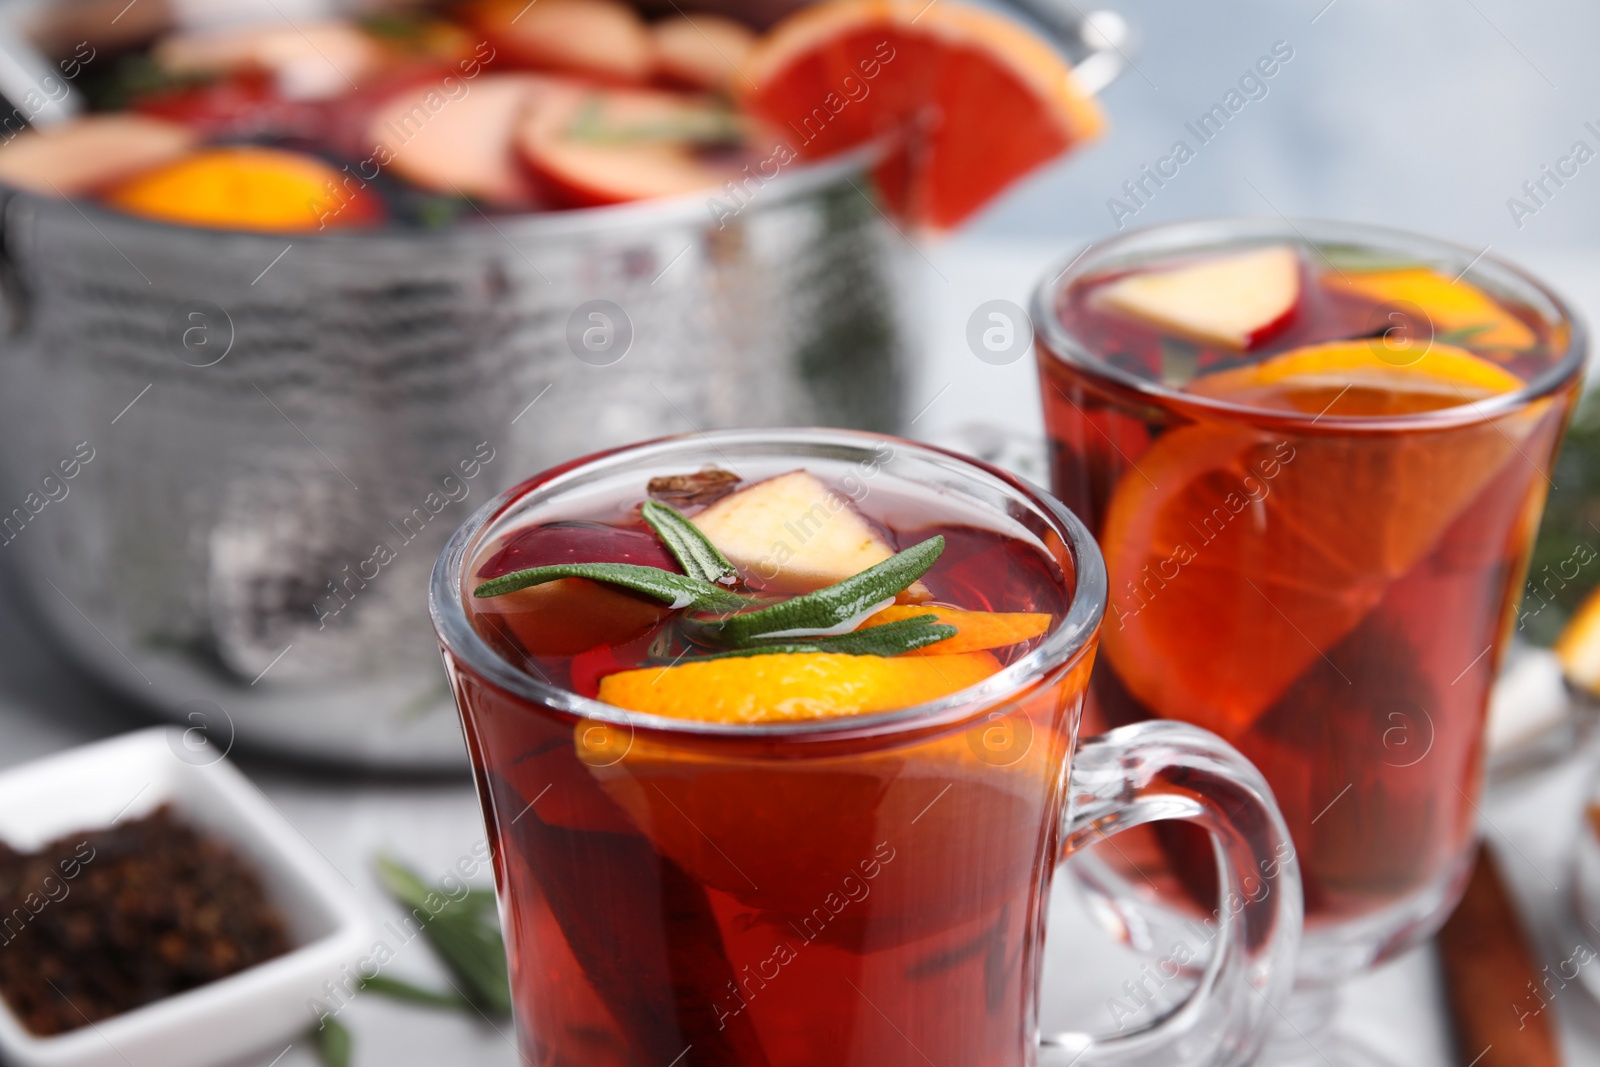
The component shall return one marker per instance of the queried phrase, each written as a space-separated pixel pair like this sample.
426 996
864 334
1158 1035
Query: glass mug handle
1169 770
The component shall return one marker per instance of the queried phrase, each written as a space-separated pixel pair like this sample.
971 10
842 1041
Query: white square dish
91 787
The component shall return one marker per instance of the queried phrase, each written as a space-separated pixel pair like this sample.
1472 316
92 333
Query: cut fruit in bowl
1452 305
1235 301
1299 537
603 39
459 141
243 105
975 101
247 188
701 51
309 60
91 152
588 147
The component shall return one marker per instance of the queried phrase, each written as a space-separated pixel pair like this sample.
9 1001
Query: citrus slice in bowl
247 187
1238 556
976 100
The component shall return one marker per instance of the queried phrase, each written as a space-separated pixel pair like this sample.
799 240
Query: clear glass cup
1340 613
856 891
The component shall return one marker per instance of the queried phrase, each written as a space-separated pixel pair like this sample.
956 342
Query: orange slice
982 100
1238 557
247 188
1361 378
978 630
1579 645
793 686
1449 304
778 835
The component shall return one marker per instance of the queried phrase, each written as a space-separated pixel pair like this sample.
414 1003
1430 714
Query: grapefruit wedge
1238 556
973 101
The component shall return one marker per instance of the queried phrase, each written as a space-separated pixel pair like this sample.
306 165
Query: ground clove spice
97 923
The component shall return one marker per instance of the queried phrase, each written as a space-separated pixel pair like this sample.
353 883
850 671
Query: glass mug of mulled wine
1315 456
776 737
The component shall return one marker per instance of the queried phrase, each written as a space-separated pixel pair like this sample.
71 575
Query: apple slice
590 147
1233 300
701 51
603 39
458 141
90 152
793 534
310 61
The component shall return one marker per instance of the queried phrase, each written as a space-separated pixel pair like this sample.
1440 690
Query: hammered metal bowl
283 431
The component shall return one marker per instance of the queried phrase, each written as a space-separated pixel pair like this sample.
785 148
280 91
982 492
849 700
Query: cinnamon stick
1500 999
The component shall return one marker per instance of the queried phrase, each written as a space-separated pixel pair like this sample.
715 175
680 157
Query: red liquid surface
766 903
1331 599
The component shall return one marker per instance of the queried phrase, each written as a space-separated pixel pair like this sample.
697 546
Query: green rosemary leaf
826 611
333 1042
1463 335
693 550
688 125
678 590
413 994
464 931
1359 259
890 639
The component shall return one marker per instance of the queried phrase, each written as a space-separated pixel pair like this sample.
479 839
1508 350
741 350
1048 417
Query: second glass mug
861 891
1340 619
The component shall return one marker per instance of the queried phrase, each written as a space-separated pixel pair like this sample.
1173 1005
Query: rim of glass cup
1226 232
1059 649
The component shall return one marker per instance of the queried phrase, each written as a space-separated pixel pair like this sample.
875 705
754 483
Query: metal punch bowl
270 438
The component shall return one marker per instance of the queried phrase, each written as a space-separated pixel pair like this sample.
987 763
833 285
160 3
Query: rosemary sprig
333 1043
676 590
1361 260
889 639
693 550
1463 335
692 125
464 932
827 611
398 989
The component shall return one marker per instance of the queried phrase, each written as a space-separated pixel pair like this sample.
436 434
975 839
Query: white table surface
45 706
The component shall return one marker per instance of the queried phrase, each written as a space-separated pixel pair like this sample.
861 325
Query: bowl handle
1100 44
